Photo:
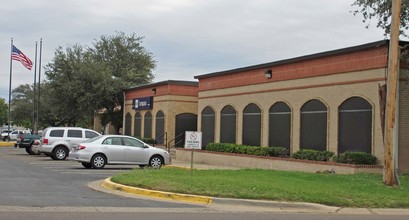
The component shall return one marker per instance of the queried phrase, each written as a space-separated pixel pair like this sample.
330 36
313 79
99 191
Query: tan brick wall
171 105
403 143
332 90
245 161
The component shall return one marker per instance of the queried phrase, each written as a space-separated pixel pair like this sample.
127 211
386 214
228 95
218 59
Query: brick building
325 101
161 111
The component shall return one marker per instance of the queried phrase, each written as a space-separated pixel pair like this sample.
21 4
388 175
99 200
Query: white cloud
187 37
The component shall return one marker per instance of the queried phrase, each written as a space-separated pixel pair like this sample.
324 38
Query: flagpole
11 67
34 93
39 80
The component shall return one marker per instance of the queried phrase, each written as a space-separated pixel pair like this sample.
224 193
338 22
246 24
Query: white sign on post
193 140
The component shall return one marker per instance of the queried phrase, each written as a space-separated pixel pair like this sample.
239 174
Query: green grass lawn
358 190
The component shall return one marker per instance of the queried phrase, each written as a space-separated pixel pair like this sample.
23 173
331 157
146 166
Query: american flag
16 54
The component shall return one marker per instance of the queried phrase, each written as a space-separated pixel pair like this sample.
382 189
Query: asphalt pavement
108 186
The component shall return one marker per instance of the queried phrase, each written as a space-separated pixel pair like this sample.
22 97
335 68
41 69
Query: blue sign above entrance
144 103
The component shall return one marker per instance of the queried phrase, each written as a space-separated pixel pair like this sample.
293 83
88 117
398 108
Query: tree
128 64
84 80
22 106
382 11
3 111
64 75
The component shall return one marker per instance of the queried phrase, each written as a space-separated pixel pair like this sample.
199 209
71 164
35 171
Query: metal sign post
193 140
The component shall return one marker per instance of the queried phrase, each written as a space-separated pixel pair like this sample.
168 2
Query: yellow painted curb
158 194
7 144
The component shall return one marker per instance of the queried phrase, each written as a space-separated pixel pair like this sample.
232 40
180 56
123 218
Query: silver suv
57 142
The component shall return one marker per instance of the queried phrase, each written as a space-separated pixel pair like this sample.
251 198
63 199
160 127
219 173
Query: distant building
162 111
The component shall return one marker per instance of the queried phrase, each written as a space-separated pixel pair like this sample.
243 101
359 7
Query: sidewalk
237 204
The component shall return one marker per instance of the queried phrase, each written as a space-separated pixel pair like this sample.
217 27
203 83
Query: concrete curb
270 206
7 144
157 194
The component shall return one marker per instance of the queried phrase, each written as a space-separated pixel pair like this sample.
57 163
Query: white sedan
118 149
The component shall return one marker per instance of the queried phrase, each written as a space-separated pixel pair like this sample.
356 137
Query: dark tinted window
160 128
147 131
208 119
128 126
252 125
90 134
355 126
137 125
228 125
74 133
280 125
57 133
314 125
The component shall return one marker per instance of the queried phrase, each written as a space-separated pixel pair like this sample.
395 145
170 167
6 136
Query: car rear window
92 139
74 133
57 133
90 134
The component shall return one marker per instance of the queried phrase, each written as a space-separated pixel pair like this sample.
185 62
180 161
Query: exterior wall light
268 73
154 91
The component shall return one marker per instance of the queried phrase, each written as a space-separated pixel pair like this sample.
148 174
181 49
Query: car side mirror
145 146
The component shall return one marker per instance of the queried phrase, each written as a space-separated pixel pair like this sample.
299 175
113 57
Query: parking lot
38 181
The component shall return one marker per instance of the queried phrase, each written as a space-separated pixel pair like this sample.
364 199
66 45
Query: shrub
278 152
307 154
250 150
357 158
147 140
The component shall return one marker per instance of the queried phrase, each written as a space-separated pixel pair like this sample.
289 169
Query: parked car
13 135
5 134
118 149
57 142
27 141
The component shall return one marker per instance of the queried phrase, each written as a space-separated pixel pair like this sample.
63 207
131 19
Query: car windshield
92 139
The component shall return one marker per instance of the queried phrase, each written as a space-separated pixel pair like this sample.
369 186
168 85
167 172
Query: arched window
208 118
228 125
160 128
252 125
280 125
355 126
137 125
128 124
314 125
147 130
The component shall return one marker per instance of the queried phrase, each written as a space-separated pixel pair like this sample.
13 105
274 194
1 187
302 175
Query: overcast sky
186 37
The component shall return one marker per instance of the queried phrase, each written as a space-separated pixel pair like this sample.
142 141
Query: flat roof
301 58
167 82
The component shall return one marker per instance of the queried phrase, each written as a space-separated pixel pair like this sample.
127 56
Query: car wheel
60 153
98 161
86 165
27 150
34 150
156 162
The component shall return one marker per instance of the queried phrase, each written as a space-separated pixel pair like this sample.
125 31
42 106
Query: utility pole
393 73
